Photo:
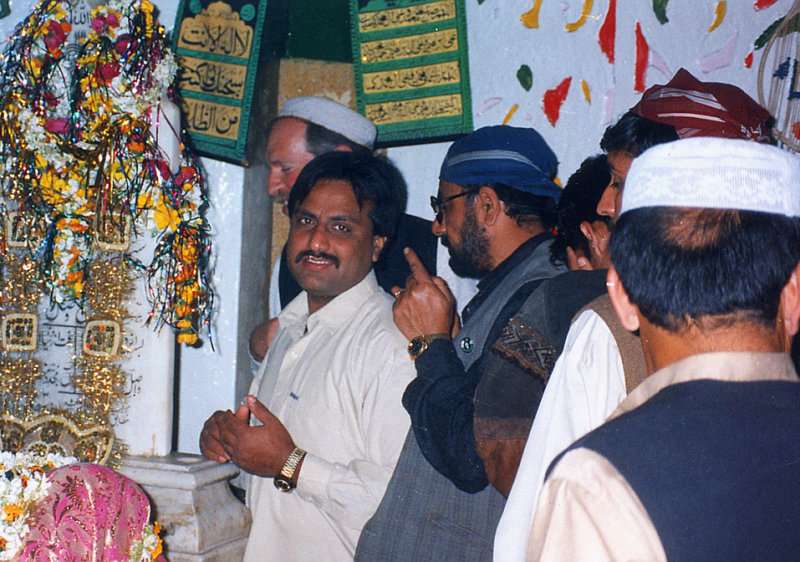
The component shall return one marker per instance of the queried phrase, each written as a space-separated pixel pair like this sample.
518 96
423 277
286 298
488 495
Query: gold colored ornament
19 331
101 338
58 433
112 232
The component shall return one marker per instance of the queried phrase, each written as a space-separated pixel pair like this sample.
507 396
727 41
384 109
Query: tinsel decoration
20 371
99 379
79 120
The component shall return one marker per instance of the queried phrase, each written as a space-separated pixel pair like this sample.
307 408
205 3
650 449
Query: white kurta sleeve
587 511
586 385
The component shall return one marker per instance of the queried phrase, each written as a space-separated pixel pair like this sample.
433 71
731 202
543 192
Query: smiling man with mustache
325 406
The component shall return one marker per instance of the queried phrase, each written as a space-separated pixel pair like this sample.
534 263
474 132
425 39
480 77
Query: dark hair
635 134
521 206
578 203
710 267
372 178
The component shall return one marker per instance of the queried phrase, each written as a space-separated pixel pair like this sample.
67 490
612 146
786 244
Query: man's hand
261 338
426 306
574 261
210 444
261 449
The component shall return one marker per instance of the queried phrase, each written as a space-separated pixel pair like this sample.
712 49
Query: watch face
282 484
415 347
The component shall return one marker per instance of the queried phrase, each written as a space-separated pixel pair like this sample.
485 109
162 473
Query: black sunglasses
438 204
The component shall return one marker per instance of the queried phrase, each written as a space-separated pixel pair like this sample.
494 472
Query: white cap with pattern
333 116
715 173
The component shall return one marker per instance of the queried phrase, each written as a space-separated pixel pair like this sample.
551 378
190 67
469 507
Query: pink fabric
90 513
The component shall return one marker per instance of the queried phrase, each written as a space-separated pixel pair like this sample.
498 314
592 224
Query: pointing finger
418 270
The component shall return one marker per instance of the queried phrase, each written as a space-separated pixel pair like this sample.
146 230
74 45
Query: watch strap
285 480
420 343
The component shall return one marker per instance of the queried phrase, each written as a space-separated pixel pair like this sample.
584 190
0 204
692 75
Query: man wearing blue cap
494 211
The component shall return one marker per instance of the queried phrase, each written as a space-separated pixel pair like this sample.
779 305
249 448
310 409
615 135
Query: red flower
107 70
121 45
50 99
59 126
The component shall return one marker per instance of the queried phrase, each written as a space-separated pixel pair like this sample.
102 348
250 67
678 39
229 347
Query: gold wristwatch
285 480
421 343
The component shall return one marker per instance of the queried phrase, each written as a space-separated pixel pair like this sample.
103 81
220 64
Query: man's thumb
258 409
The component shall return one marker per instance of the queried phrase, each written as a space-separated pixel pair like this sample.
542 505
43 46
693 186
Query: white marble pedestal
190 498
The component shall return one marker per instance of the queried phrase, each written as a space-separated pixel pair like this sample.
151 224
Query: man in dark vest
494 211
700 461
601 361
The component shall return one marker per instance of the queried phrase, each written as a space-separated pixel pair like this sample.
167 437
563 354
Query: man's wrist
286 479
419 344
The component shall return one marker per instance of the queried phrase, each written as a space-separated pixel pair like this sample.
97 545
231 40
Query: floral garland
23 483
81 164
149 547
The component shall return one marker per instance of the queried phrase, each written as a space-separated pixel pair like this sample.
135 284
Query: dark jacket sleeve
439 402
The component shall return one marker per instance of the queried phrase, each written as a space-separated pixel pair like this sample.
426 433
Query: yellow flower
189 293
12 512
188 339
145 200
156 552
166 216
53 187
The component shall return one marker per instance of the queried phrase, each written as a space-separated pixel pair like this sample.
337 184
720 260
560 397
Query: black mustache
310 254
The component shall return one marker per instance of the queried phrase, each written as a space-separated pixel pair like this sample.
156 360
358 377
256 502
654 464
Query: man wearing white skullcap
305 128
602 362
700 461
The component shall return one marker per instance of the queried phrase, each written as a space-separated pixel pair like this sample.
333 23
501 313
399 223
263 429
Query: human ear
487 205
789 306
378 242
627 312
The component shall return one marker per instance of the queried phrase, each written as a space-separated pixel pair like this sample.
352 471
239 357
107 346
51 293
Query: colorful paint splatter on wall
660 9
554 99
587 8
719 15
510 113
608 31
721 57
525 77
487 104
642 57
587 93
531 17
761 4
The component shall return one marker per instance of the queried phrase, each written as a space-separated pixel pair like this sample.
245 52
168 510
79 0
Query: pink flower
103 24
55 37
58 126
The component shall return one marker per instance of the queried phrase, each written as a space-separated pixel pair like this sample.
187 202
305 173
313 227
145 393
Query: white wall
499 43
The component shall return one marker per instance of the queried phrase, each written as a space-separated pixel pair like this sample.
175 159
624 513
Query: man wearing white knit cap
701 460
305 128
